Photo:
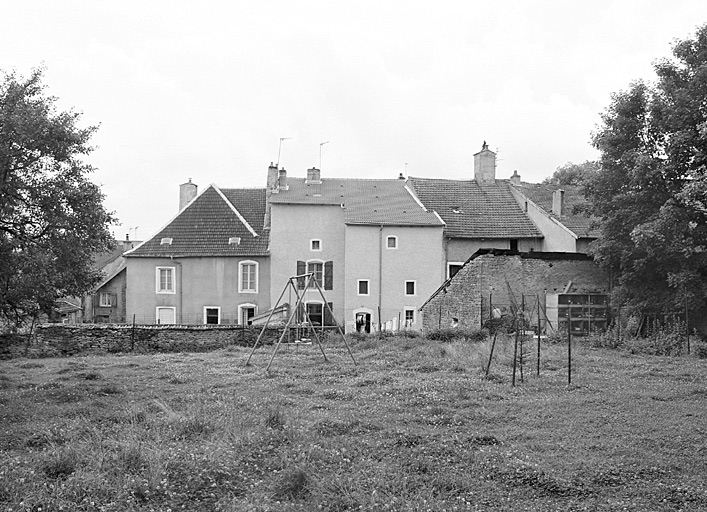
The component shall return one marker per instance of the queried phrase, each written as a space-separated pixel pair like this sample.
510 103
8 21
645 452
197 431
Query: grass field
415 426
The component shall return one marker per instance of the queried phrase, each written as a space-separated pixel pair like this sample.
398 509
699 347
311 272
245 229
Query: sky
205 90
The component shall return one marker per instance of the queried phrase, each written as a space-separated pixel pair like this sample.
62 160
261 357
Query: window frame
172 280
459 264
241 266
394 238
414 288
218 314
312 242
243 306
407 310
316 262
157 314
309 317
101 302
368 287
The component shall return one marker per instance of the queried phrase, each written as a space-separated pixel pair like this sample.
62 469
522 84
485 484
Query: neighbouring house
373 247
559 288
479 213
208 265
106 302
556 211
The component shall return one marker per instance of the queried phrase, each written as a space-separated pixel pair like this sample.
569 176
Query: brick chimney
515 179
272 178
485 165
558 202
314 175
187 192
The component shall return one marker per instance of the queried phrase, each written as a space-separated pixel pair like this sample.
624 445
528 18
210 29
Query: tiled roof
579 224
474 210
377 202
205 226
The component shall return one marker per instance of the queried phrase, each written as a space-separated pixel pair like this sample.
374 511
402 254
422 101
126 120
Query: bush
700 350
448 335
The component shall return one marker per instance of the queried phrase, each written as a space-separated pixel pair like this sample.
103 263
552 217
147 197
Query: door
166 316
363 322
247 313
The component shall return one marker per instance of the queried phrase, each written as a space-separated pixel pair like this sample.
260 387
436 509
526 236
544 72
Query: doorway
363 322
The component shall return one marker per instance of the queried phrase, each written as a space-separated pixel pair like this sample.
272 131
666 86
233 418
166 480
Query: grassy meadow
416 426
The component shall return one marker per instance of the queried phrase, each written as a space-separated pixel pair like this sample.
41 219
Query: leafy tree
573 174
52 218
651 189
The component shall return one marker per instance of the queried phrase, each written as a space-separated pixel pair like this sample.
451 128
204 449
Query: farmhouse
379 248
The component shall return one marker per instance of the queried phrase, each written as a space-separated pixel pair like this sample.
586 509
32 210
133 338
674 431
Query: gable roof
474 210
365 201
204 227
579 224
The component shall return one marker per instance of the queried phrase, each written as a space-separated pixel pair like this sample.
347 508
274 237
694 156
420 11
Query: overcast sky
205 90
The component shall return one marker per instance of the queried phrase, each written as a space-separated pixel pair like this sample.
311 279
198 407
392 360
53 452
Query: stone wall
490 276
54 340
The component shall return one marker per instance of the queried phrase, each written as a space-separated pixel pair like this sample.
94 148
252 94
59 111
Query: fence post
569 350
132 335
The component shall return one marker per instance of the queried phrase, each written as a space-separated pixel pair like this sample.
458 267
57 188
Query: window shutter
329 275
301 269
328 317
113 300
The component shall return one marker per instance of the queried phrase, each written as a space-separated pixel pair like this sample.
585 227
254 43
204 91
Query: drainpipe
179 285
380 276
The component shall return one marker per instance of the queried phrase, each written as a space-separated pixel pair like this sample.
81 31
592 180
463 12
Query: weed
60 464
27 366
275 419
292 484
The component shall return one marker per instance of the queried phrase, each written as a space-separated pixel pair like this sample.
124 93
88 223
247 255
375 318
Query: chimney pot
401 177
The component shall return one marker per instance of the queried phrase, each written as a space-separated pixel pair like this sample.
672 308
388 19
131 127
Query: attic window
234 240
457 209
166 241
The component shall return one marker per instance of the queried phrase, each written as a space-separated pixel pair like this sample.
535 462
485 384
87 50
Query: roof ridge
235 210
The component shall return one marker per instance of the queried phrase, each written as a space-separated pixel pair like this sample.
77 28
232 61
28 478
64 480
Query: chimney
187 192
485 165
127 237
558 202
401 177
272 177
515 179
282 179
314 175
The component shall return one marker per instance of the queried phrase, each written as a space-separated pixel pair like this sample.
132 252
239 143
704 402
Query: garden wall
66 340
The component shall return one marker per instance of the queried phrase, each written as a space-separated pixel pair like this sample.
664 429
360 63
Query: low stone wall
67 340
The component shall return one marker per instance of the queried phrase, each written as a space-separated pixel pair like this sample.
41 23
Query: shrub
448 335
700 350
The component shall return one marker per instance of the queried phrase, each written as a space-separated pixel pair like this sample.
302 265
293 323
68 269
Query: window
247 277
106 300
315 311
316 267
363 287
323 273
409 317
166 315
165 279
392 242
212 315
166 241
453 268
315 245
245 313
409 287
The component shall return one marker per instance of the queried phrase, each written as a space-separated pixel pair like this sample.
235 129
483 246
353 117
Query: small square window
409 287
363 287
212 315
392 242
316 245
105 300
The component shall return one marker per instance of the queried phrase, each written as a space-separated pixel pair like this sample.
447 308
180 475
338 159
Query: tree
573 174
52 219
651 189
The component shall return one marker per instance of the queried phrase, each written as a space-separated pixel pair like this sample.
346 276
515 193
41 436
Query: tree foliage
52 219
573 174
651 190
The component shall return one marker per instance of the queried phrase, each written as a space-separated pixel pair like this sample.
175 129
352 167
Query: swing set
306 282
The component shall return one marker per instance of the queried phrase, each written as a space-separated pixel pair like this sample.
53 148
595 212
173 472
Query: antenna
278 150
320 153
406 168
